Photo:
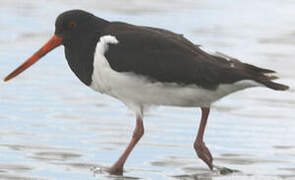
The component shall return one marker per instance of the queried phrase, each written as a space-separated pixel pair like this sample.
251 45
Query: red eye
72 24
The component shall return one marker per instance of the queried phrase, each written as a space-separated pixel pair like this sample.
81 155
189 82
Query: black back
164 56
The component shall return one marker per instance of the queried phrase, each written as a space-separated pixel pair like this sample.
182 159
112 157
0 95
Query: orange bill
51 44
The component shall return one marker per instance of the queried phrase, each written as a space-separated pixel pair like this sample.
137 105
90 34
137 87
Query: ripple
19 177
15 167
284 147
193 177
55 156
79 165
245 160
29 148
283 39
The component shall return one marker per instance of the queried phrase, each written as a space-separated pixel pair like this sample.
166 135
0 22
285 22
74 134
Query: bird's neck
80 52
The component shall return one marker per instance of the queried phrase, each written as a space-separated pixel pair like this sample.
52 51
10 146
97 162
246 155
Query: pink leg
138 132
199 145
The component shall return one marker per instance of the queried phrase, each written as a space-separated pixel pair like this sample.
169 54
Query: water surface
53 127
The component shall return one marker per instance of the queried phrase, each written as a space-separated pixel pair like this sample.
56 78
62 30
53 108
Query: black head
75 24
79 32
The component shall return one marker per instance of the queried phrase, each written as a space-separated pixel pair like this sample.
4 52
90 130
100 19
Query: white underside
138 93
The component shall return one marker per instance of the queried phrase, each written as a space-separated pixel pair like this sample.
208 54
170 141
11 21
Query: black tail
260 75
263 76
275 86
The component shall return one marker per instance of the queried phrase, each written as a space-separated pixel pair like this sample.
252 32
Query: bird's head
74 24
69 25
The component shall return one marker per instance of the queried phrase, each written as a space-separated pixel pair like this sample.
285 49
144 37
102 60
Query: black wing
164 56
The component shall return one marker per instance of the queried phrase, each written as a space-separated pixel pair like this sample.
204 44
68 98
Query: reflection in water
51 126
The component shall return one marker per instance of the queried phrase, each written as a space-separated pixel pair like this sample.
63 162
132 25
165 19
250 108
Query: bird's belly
157 93
135 89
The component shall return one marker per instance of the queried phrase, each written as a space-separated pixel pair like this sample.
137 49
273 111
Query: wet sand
53 127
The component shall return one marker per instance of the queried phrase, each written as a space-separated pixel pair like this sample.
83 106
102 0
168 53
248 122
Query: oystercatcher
146 66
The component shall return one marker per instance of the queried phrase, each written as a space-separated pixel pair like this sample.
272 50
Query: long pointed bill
51 44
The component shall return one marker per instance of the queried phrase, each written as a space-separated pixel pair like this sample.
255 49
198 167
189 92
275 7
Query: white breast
102 72
138 92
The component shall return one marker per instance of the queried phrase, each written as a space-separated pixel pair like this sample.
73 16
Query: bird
147 66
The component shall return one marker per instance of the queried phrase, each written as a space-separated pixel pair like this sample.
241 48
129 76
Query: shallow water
53 127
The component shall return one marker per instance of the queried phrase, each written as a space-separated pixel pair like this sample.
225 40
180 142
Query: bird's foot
203 153
115 170
105 170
